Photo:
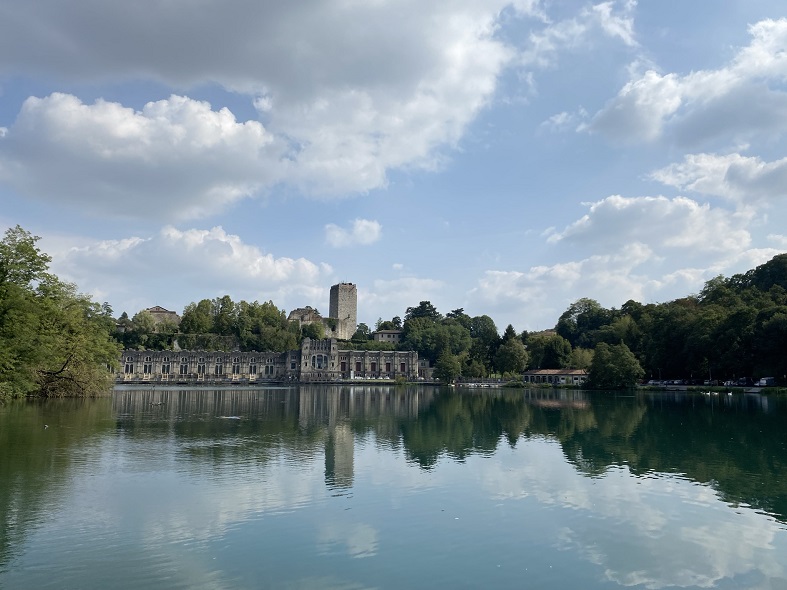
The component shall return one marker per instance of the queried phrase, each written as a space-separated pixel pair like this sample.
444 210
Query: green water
385 487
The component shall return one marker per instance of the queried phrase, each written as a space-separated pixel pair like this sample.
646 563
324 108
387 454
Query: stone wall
316 361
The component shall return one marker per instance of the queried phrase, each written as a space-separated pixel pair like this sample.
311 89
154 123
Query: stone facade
344 308
556 376
343 312
392 336
160 315
316 361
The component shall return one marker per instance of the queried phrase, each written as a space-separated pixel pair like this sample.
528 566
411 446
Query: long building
316 361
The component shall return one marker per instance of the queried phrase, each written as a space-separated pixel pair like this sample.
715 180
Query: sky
507 157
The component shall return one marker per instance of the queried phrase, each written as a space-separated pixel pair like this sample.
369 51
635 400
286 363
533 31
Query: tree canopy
54 341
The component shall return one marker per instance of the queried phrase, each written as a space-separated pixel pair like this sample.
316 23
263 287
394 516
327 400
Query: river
394 487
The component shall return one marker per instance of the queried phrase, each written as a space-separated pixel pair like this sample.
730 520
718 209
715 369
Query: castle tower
344 307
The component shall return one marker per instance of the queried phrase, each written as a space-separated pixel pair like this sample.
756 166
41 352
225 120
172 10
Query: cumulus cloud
175 159
541 293
641 248
363 232
663 223
738 101
347 90
732 176
208 263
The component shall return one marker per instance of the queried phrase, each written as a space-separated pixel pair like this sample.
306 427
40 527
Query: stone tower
344 307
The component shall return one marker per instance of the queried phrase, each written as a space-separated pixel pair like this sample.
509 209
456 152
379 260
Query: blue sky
506 157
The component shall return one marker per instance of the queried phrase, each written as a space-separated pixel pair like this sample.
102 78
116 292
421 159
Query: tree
579 323
580 358
424 310
53 340
511 356
614 367
548 351
509 333
313 330
448 367
362 332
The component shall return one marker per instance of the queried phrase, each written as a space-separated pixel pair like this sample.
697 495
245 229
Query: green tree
548 351
511 356
362 333
448 367
314 330
614 367
425 309
53 340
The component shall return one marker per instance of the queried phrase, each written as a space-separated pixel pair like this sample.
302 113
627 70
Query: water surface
386 487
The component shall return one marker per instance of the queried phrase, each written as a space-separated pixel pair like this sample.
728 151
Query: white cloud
207 263
174 159
385 298
733 176
363 232
662 223
564 121
647 249
738 101
348 91
569 34
542 293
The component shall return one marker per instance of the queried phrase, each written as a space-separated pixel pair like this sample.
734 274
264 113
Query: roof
556 372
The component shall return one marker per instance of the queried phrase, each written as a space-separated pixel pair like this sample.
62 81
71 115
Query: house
556 376
392 336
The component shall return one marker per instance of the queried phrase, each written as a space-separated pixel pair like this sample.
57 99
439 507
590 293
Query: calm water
383 487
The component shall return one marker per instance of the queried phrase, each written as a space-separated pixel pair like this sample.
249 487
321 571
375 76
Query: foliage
221 324
425 310
614 367
54 341
448 367
314 330
511 357
548 350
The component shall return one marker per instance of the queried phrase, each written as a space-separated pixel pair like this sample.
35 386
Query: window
235 369
401 368
202 359
147 368
387 367
344 366
236 359
219 369
129 359
148 359
374 367
165 369
184 369
252 369
129 368
357 366
200 369
165 359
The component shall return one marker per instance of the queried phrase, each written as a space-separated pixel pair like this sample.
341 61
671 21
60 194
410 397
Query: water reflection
383 486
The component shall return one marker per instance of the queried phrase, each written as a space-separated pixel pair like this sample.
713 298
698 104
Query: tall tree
53 340
614 367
